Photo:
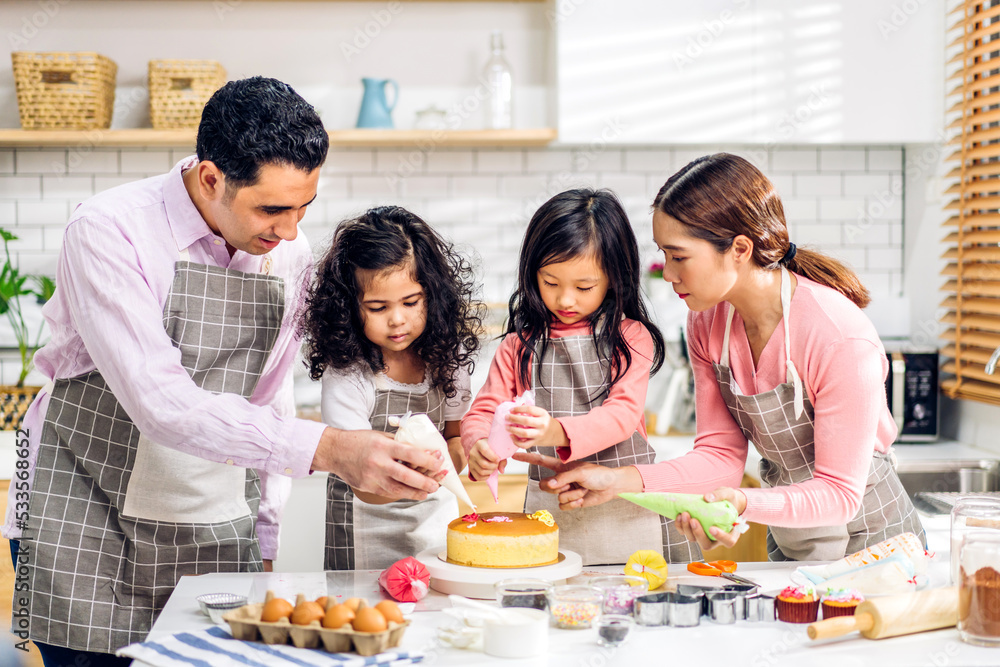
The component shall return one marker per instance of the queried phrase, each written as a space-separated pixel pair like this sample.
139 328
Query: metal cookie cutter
760 608
722 606
684 611
652 609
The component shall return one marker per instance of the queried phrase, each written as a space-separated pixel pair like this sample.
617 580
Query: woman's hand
530 426
694 531
483 460
581 484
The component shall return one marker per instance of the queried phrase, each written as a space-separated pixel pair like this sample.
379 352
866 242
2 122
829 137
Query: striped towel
215 647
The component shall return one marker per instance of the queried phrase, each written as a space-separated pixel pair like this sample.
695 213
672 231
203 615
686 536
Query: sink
949 476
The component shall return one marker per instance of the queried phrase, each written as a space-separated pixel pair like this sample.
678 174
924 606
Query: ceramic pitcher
375 110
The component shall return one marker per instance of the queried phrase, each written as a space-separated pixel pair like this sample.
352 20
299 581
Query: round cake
503 539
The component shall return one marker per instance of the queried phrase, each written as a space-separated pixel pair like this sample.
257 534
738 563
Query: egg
275 610
369 619
307 612
390 610
353 603
322 601
338 616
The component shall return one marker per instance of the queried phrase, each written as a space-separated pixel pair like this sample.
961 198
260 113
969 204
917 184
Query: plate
443 556
478 582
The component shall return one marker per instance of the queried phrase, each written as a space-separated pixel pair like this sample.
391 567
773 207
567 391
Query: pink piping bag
499 439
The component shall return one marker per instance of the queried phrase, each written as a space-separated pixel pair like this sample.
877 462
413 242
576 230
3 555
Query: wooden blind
972 303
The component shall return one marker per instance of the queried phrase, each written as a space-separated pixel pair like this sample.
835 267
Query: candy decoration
499 439
648 564
544 516
722 514
418 430
405 580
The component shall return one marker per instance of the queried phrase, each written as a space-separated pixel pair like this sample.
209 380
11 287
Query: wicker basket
70 91
179 89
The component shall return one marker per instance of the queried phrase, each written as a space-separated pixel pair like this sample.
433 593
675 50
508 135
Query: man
169 418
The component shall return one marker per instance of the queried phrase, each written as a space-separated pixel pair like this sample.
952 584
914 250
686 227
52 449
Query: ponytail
719 197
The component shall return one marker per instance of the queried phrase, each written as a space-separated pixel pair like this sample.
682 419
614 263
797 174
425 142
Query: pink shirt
843 365
616 419
115 270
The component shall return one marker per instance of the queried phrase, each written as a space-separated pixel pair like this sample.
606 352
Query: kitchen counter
758 644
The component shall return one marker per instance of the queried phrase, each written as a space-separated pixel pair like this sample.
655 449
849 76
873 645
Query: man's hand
581 484
374 463
268 566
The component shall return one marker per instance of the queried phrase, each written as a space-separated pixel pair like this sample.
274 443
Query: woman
784 358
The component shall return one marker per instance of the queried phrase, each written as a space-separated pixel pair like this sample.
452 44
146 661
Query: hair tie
789 254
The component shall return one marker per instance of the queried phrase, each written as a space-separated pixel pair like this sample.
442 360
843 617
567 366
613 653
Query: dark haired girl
784 358
580 337
391 327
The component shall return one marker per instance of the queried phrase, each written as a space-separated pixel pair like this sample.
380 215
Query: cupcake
841 602
797 605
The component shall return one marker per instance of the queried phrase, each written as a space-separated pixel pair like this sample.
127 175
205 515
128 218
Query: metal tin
684 611
763 606
722 606
651 609
698 591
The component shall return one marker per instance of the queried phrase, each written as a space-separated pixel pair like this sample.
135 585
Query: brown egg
307 612
322 601
275 610
353 603
390 610
369 619
338 616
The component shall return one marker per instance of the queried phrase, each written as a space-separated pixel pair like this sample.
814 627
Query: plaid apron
568 381
362 536
118 519
779 423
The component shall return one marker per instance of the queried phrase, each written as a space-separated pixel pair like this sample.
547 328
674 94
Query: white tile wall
839 199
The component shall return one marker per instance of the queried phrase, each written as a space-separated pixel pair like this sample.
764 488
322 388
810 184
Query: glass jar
574 607
971 513
979 588
529 593
620 592
613 630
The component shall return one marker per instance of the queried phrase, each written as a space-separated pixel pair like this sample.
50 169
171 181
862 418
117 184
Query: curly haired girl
391 326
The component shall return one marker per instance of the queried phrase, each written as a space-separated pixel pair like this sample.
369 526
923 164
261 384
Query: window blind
972 272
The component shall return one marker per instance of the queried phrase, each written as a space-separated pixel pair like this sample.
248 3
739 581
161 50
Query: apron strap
724 359
791 374
266 263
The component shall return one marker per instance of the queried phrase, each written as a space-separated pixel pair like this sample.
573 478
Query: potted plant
656 288
15 399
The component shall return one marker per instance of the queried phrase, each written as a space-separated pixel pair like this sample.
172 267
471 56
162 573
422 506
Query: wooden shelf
16 138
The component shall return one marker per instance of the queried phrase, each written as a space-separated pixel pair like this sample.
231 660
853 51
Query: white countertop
744 643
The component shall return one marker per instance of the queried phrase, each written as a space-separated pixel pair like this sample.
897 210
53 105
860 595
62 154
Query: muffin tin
245 624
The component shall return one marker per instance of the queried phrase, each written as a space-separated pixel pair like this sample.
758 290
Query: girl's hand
580 484
694 531
530 426
483 460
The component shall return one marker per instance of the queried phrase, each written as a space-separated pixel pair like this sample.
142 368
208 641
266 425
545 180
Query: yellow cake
503 539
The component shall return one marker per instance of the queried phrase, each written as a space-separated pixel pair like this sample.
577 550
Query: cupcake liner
797 611
831 610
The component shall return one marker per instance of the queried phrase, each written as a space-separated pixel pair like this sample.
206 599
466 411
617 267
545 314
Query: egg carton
245 624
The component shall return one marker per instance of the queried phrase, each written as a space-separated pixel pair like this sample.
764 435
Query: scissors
720 568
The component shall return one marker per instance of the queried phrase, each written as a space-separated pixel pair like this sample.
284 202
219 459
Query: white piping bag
499 439
418 430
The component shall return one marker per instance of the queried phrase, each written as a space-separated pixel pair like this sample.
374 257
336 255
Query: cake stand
477 582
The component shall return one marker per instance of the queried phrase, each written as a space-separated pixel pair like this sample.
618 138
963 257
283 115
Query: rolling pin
894 615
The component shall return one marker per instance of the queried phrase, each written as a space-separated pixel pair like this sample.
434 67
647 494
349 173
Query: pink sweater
843 365
616 419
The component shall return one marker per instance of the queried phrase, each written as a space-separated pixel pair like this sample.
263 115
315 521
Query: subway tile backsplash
838 199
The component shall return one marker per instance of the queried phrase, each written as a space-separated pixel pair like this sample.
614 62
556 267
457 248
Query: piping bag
722 514
419 431
499 439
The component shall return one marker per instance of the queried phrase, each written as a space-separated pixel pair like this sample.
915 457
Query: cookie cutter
722 606
760 608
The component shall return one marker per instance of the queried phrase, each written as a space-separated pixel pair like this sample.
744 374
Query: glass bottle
497 77
979 588
971 513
